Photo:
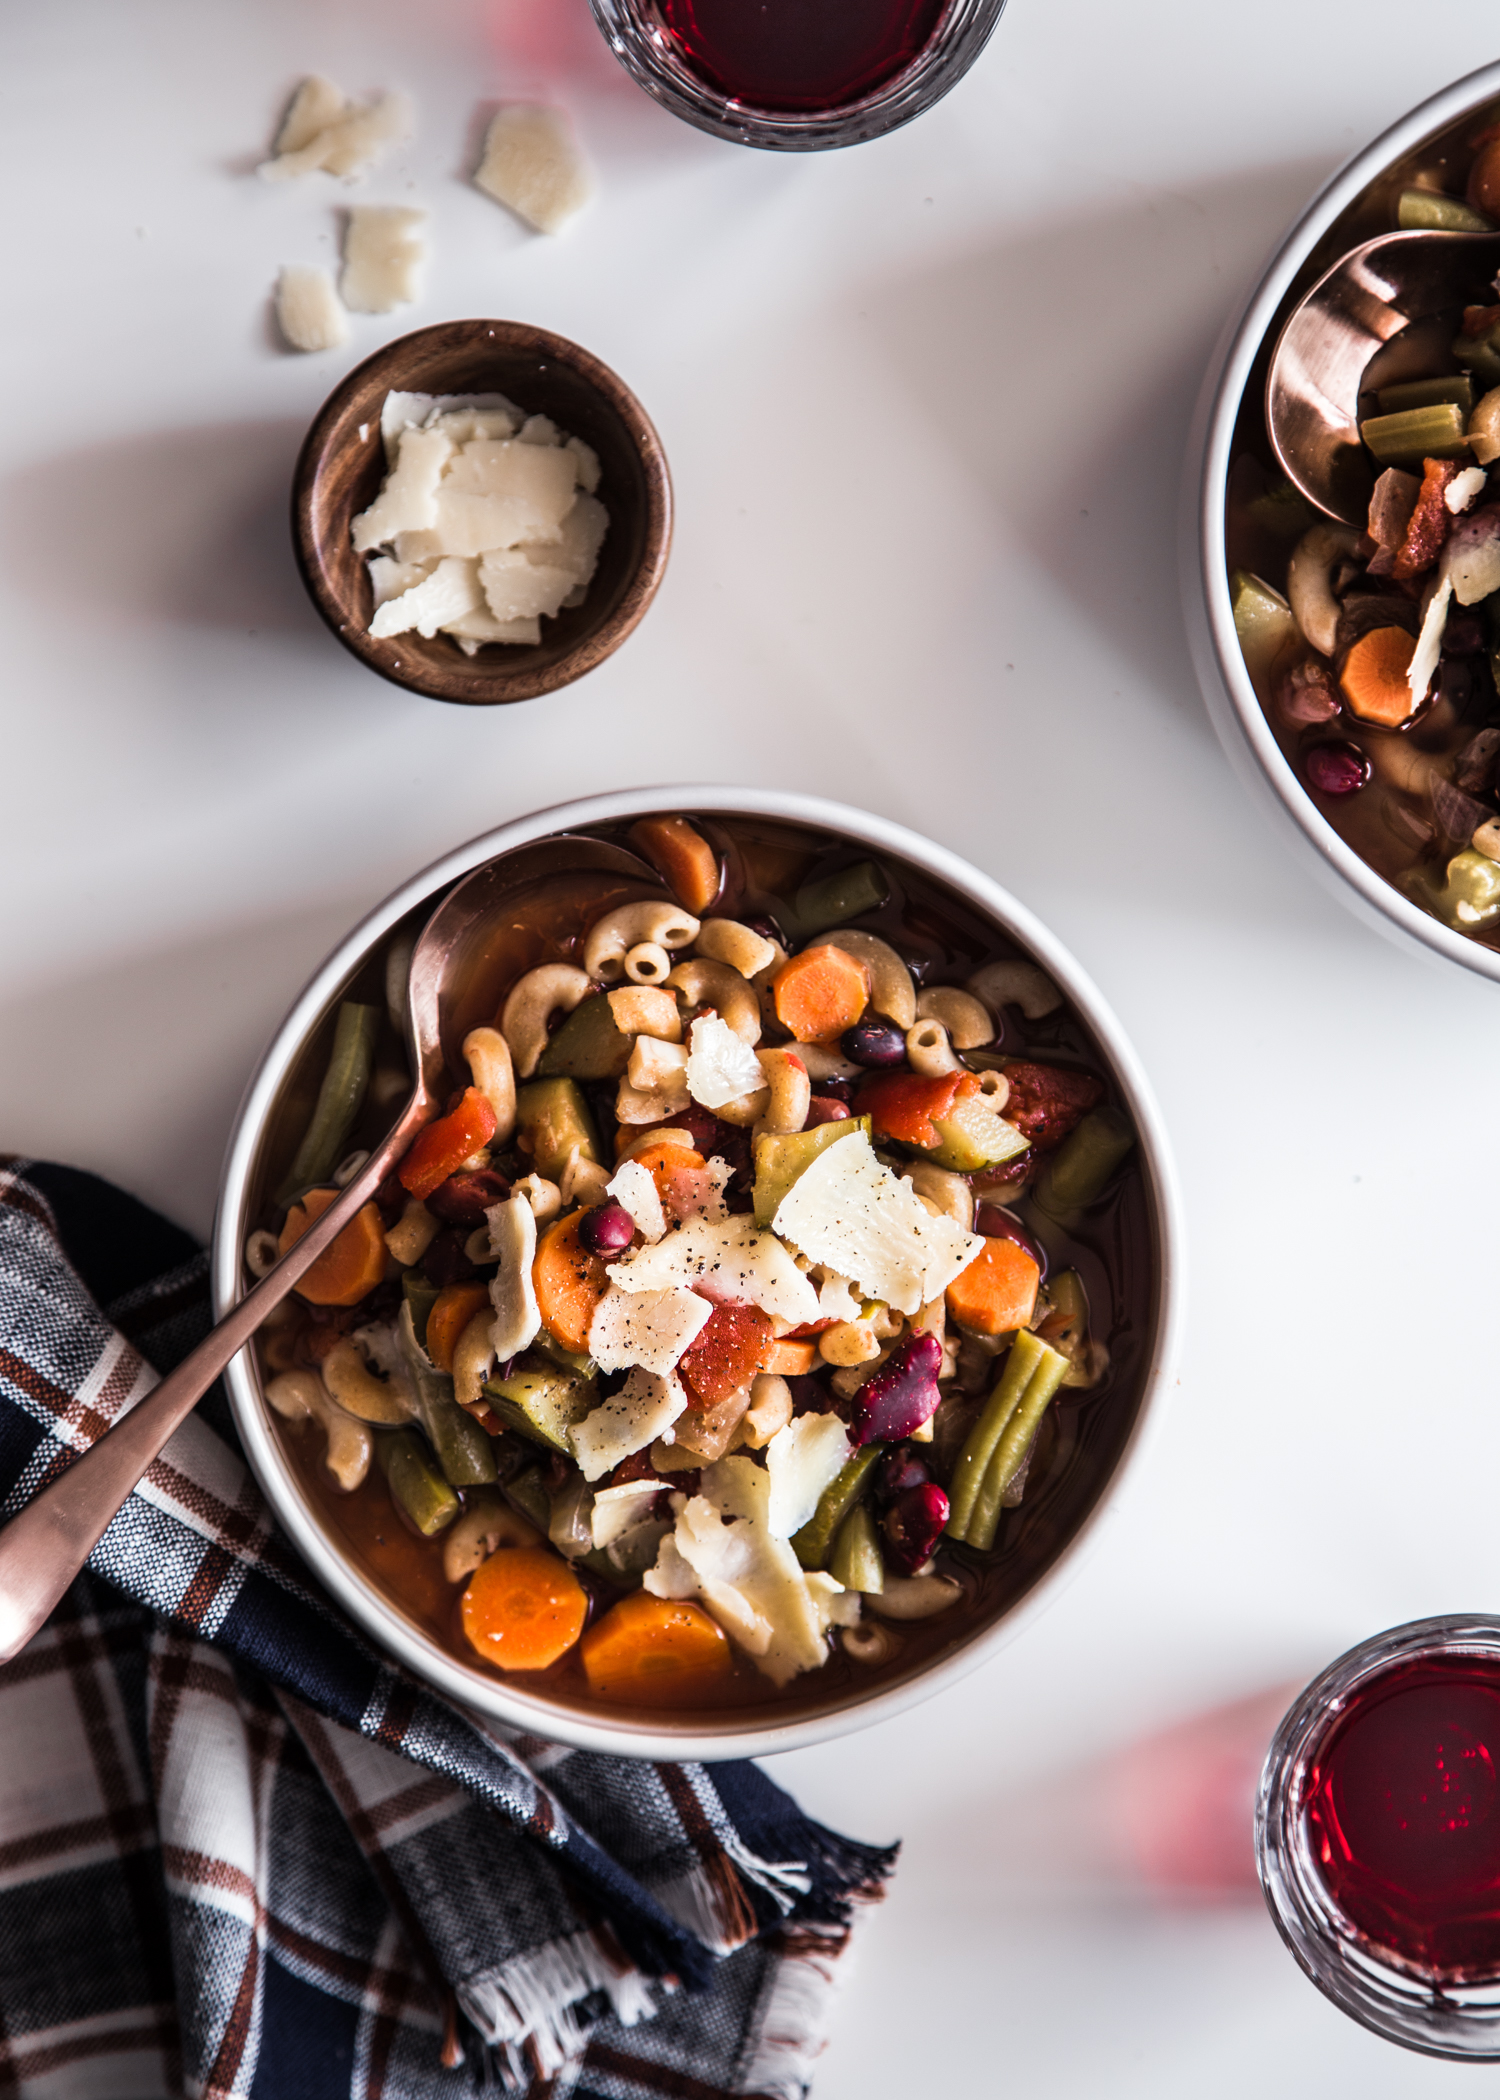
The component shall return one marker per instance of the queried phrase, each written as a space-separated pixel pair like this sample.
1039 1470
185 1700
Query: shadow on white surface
185 526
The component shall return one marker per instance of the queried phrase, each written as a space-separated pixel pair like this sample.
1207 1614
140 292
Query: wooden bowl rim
474 683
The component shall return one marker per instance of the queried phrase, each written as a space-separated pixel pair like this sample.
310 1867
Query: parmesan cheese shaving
308 311
451 591
634 1189
649 1328
383 257
322 130
854 1216
722 1551
731 1261
721 1066
1429 643
644 1408
408 500
532 165
802 1459
517 1321
619 1509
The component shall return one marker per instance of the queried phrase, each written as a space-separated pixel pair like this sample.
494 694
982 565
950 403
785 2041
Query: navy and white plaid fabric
241 1855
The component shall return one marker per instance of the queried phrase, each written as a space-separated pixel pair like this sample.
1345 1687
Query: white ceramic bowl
1339 217
696 1737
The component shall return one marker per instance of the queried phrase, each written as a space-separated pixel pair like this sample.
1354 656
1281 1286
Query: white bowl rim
1233 705
388 1629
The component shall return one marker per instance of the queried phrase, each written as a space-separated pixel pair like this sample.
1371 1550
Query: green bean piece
417 1488
856 1560
1405 440
812 1542
1456 387
527 1494
340 1098
1480 354
1417 209
553 1117
1281 510
1015 1442
1026 1354
836 899
1079 1170
464 1451
421 1296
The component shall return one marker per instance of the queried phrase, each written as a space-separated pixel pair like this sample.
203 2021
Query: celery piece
1469 900
856 1560
1480 354
1263 621
1079 1171
812 1542
1439 431
1456 387
589 1045
1282 510
553 1117
973 1136
417 1488
1011 1448
421 1296
1418 209
464 1450
340 1099
542 1401
835 899
527 1494
1027 1352
779 1160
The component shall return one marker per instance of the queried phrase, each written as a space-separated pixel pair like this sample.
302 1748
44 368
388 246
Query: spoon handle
43 1548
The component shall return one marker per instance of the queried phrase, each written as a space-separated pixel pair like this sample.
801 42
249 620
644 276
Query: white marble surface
925 404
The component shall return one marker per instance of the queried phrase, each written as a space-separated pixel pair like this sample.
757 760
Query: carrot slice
820 993
523 1608
682 856
655 1651
1374 676
442 1148
569 1282
453 1309
996 1293
349 1269
727 1353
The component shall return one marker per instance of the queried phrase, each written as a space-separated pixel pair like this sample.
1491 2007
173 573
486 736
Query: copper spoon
43 1548
1318 366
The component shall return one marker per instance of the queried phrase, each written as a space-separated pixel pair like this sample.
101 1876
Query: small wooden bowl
342 464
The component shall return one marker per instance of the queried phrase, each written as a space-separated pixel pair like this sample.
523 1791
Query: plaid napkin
241 1854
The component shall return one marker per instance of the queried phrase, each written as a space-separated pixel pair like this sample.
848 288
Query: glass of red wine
1377 1834
797 76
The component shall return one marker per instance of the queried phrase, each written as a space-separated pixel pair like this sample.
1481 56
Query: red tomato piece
1047 1101
442 1148
902 1105
727 1353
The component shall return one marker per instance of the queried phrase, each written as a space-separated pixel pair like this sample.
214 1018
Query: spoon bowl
1376 298
44 1547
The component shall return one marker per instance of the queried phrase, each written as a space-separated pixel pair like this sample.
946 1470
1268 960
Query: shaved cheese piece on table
532 165
344 143
498 492
451 591
855 1216
308 310
408 500
383 256
516 588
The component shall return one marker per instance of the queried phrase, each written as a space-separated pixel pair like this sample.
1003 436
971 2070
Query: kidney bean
902 1394
607 1229
1307 695
1336 769
899 1471
997 1224
913 1525
445 1260
874 1044
834 1089
822 1108
464 1198
701 1125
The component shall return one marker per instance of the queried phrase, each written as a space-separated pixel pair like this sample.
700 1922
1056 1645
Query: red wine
1403 1810
799 54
